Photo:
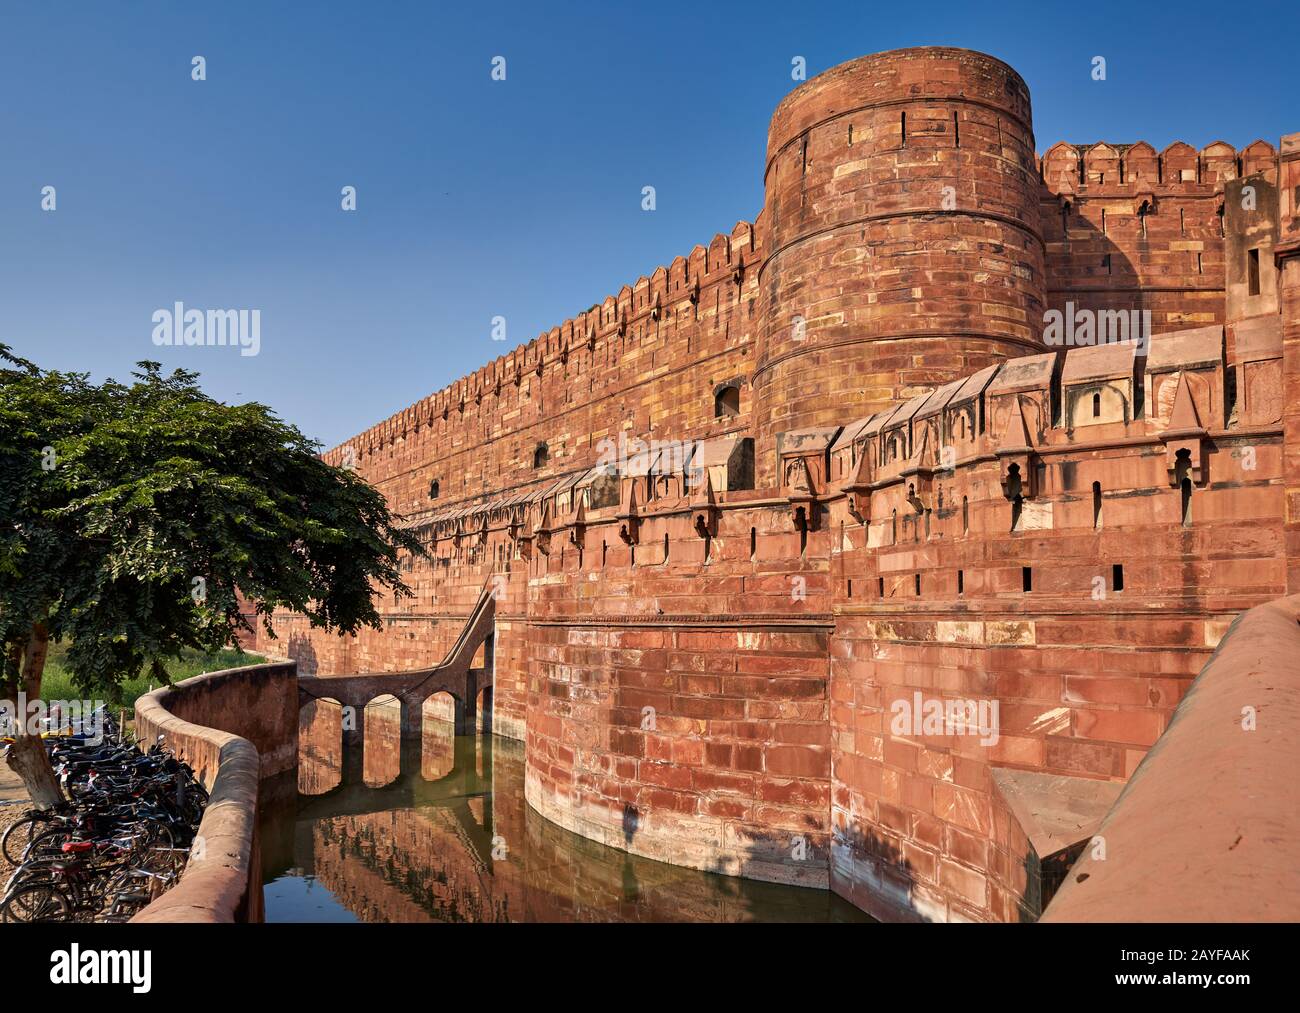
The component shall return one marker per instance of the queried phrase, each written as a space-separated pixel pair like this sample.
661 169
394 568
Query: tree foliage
131 513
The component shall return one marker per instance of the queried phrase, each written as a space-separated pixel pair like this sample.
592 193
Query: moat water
438 830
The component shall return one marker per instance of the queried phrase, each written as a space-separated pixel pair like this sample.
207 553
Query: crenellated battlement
686 281
1069 169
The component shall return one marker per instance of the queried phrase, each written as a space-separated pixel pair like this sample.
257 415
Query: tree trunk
27 757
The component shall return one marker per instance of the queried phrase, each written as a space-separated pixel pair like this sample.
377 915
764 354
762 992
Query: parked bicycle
119 840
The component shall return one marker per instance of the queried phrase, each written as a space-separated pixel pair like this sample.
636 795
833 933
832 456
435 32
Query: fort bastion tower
903 241
870 489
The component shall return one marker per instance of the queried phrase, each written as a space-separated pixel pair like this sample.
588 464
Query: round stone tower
902 232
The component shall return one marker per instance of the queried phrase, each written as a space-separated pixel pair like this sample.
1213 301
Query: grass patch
57 684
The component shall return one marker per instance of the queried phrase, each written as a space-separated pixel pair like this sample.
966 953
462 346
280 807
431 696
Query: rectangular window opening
1026 579
1117 577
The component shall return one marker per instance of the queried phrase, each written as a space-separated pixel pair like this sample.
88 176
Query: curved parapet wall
1207 829
904 248
249 732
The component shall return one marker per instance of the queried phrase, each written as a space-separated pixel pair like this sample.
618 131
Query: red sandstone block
967 848
891 785
793 820
935 764
918 794
665 775
781 664
920 863
928 830
673 724
706 640
1017 751
806 794
658 798
967 809
689 752
967 884
727 808
1082 689
718 754
1073 756
797 761
701 684
900 754
1140 728
707 708
803 733
971 773
753 731
726 782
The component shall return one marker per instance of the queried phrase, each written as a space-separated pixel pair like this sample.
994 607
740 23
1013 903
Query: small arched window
541 455
726 401
1096 406
433 489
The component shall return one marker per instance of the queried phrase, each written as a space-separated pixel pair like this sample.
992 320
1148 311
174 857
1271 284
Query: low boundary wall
235 728
1207 829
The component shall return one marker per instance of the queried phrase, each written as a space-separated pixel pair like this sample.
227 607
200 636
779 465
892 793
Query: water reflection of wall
434 861
383 746
320 754
322 762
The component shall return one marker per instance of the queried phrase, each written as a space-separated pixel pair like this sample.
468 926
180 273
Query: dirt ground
11 787
12 795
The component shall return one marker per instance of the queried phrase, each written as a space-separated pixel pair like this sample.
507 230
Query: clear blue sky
478 198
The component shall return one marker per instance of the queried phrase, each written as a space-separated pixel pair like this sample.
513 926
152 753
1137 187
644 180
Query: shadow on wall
874 874
300 649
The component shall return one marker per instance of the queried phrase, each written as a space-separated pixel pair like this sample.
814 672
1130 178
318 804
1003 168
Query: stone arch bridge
454 676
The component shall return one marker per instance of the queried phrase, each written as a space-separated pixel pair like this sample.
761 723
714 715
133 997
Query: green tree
130 515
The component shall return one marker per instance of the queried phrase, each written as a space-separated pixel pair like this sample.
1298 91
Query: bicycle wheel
17 837
35 902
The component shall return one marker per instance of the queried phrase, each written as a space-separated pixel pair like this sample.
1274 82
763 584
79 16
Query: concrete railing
1208 827
235 728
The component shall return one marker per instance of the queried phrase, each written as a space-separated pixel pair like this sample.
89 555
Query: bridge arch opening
382 757
320 746
438 735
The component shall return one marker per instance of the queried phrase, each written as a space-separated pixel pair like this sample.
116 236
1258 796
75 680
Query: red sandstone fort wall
703 672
